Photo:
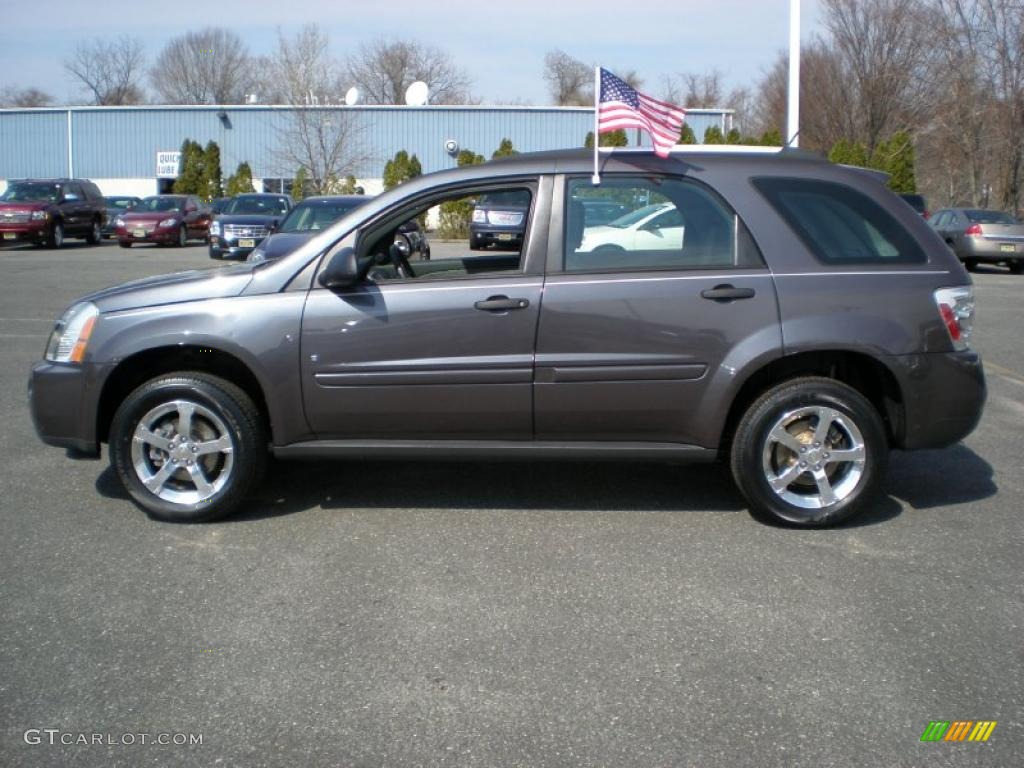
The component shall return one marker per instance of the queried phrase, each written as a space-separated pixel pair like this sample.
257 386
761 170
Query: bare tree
109 70
827 110
210 66
570 81
882 47
383 71
319 138
11 96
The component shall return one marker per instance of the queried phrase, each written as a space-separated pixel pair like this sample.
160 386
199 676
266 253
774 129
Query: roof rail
724 149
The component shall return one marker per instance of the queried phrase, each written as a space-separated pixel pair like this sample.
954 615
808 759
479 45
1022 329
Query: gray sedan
978 235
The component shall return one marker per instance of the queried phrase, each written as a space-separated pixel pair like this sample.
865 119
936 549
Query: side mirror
342 271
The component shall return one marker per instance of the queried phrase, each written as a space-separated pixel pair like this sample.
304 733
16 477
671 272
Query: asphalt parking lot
389 614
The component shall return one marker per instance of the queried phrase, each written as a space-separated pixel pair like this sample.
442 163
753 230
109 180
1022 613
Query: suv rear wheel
188 447
56 237
809 452
95 233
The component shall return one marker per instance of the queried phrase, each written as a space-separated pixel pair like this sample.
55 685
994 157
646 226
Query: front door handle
501 304
725 293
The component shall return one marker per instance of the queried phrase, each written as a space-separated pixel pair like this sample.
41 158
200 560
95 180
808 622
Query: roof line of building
357 107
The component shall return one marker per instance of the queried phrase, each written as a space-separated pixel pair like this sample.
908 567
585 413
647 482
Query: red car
163 219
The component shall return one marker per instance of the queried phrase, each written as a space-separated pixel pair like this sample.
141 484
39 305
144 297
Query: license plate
504 236
138 233
1007 248
246 243
10 235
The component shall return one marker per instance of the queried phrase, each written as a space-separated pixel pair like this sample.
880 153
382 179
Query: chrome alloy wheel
182 452
814 457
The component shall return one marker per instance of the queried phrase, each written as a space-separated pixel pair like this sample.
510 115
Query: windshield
268 206
121 202
990 217
638 215
31 192
315 216
159 204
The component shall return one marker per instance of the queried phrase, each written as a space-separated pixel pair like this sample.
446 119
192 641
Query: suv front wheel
188 447
809 452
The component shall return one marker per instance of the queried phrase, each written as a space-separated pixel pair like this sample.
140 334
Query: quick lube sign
167 164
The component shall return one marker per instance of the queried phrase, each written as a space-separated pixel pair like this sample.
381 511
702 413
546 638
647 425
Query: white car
656 227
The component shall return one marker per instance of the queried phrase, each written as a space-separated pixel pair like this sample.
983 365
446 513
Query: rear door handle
501 304
726 293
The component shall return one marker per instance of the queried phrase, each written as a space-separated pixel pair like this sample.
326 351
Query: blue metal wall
115 142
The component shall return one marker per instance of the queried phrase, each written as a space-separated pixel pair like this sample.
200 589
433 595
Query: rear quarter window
839 224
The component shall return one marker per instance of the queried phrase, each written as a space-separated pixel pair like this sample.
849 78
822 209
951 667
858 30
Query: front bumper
943 397
23 233
63 400
230 249
162 235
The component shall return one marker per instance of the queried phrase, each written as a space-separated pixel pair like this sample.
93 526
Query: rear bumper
63 400
992 250
943 397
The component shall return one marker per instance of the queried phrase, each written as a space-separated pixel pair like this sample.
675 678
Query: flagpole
793 109
596 178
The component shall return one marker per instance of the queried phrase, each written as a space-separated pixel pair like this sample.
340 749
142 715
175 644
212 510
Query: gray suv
794 319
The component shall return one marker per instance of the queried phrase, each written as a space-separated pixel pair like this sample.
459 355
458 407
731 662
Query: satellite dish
416 94
352 96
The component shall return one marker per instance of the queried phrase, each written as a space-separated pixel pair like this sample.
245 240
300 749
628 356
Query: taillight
956 307
974 231
926 214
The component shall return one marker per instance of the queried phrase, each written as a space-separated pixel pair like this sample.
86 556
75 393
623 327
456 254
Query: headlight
40 215
71 335
118 222
215 228
168 223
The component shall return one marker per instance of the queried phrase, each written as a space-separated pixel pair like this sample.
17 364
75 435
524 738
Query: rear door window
839 224
662 224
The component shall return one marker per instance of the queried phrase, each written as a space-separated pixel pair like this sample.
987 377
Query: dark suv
45 211
798 323
243 223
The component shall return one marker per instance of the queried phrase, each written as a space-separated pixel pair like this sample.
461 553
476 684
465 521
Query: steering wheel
399 252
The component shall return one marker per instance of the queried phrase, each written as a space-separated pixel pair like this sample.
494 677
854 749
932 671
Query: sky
500 45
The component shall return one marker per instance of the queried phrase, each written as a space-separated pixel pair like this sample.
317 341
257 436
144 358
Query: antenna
416 94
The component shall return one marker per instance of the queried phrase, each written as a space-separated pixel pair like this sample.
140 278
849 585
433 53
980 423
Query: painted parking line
994 368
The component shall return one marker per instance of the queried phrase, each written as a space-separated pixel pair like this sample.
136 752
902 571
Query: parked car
116 205
654 227
164 220
308 217
597 212
808 323
499 219
982 236
46 211
244 222
918 203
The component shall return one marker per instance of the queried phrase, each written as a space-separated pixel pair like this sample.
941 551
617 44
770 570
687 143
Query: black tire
182 237
125 243
853 483
970 264
95 235
1016 267
221 408
214 254
55 239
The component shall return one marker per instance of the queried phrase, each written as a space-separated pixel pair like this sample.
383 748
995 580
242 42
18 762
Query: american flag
622 106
